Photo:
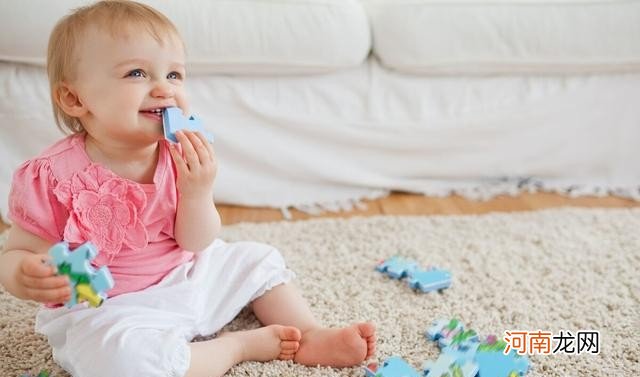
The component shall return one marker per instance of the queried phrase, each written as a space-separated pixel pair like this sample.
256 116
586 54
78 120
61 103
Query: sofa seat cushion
356 133
222 36
506 36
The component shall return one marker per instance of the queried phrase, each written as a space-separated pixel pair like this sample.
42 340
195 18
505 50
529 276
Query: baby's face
123 81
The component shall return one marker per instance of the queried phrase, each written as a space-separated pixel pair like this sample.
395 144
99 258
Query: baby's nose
162 90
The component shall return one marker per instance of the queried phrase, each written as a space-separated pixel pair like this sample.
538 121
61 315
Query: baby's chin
152 136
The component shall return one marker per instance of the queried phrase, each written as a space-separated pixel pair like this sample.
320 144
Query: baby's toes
371 350
366 329
288 349
371 345
289 345
286 356
289 333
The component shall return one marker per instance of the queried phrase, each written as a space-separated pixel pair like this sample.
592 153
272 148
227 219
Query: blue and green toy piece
463 355
451 332
447 366
464 347
87 283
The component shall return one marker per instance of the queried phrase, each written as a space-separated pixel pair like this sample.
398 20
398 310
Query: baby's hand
38 281
197 167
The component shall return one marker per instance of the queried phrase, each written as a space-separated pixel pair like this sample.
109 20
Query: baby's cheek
183 103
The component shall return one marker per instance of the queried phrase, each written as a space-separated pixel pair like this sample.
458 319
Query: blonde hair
113 16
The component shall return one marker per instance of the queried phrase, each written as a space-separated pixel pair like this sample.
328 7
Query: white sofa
317 104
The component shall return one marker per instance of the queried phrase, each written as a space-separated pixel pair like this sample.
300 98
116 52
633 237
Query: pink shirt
63 195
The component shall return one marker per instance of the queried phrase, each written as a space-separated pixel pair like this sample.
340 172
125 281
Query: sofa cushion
222 36
506 36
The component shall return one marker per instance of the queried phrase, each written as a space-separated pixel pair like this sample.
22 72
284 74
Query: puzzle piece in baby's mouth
173 121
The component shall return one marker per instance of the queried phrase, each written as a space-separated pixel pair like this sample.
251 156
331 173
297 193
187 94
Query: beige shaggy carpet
563 269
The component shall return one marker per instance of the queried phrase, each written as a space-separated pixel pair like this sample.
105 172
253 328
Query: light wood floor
408 204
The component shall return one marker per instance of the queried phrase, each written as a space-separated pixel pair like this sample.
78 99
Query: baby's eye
174 76
136 73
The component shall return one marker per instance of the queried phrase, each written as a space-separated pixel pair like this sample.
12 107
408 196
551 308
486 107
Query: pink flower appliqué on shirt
104 209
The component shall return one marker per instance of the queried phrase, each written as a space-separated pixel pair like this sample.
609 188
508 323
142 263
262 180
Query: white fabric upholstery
222 36
302 140
498 37
413 36
362 129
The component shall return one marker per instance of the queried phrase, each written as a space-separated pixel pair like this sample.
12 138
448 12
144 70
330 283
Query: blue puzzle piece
396 267
173 121
78 259
434 332
467 351
464 354
87 283
102 280
443 330
392 367
461 339
447 366
497 364
429 280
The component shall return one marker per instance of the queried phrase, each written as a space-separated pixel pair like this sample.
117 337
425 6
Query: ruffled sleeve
32 203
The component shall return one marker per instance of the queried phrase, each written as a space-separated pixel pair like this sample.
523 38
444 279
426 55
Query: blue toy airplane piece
173 120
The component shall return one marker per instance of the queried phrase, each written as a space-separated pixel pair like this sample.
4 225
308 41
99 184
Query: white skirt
147 333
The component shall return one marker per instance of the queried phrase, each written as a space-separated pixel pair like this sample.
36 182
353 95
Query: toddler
147 206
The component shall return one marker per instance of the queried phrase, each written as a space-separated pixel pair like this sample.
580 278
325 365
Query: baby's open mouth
154 115
157 111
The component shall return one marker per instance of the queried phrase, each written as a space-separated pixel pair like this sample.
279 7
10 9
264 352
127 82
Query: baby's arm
197 219
24 273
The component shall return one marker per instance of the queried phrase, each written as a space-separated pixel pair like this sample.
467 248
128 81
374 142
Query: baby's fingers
200 144
181 164
37 266
52 282
206 144
54 296
188 150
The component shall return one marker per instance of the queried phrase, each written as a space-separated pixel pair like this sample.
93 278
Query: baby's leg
337 347
215 357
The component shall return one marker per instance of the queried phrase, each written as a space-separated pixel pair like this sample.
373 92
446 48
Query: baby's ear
67 99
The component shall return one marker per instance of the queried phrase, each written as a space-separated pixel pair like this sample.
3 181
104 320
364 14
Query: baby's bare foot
267 343
337 347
